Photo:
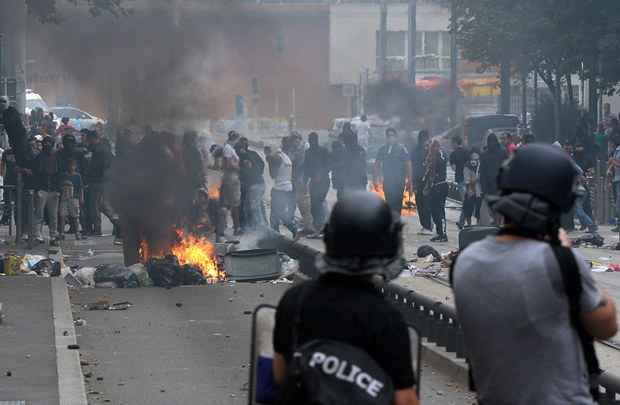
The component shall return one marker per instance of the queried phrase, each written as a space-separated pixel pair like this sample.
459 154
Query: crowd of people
62 174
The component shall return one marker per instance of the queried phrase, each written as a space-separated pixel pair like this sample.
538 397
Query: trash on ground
425 250
104 305
139 269
590 240
86 275
167 272
119 276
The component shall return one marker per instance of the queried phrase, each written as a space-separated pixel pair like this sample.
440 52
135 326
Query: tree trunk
505 87
557 107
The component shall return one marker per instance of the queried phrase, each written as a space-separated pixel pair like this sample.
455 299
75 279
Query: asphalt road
187 345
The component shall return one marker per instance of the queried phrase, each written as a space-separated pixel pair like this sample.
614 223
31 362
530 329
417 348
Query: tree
47 10
555 38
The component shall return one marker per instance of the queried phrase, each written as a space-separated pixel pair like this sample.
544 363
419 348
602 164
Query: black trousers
439 193
318 193
393 190
423 203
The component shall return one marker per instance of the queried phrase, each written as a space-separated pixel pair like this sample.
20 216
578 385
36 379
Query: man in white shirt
363 133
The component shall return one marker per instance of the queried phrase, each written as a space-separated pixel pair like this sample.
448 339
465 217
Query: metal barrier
434 320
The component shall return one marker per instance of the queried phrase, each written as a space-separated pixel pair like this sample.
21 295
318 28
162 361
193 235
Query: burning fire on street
409 207
199 252
196 251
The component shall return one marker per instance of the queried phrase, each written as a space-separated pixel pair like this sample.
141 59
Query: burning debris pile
154 190
409 205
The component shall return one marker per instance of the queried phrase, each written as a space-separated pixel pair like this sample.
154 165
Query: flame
143 251
200 252
214 192
409 206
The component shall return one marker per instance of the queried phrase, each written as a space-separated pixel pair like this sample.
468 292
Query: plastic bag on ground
144 280
29 261
163 271
117 274
47 267
189 275
86 275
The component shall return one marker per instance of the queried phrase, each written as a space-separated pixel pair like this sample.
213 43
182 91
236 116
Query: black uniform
394 160
350 310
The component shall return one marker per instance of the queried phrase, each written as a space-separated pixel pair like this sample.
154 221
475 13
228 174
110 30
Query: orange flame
200 252
143 251
409 207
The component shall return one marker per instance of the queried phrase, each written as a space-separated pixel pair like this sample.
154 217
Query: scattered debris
179 304
114 275
589 240
8 373
425 250
104 305
73 347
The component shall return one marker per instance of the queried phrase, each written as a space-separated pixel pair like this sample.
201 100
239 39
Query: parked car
476 128
33 101
78 118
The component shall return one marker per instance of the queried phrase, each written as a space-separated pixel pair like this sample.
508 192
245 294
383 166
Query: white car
33 101
77 118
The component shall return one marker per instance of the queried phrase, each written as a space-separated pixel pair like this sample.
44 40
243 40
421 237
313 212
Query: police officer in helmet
527 303
363 243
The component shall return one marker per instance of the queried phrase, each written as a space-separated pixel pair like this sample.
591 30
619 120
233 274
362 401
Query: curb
71 389
444 362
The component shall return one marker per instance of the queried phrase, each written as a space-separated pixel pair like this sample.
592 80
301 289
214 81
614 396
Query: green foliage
47 10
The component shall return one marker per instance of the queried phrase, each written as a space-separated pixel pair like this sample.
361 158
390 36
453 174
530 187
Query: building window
446 44
396 44
431 43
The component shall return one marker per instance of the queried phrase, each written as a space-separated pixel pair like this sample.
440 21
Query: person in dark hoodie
46 175
354 172
14 127
490 162
316 176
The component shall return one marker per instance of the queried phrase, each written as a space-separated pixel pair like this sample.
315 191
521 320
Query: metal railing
434 320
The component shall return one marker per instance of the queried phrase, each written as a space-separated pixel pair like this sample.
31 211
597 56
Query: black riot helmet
363 236
536 186
541 170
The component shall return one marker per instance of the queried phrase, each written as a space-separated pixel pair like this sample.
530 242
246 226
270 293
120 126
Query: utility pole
13 26
454 66
382 41
524 78
413 13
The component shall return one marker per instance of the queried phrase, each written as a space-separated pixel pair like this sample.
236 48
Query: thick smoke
172 63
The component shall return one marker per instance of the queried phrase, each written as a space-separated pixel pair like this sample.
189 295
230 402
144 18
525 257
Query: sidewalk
28 370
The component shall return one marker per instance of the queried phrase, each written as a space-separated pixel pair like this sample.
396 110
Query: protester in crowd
418 160
613 174
337 167
193 161
354 172
362 239
316 177
490 162
436 187
71 152
363 132
392 170
282 196
581 192
473 190
528 304
65 127
71 199
600 141
46 176
11 119
251 175
583 157
8 171
96 197
458 159
230 192
509 144
297 152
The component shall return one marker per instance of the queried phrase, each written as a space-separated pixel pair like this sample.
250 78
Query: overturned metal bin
253 265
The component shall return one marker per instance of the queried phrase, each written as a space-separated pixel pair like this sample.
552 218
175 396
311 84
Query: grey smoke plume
172 63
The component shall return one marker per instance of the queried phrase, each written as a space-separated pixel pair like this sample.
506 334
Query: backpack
571 279
329 372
